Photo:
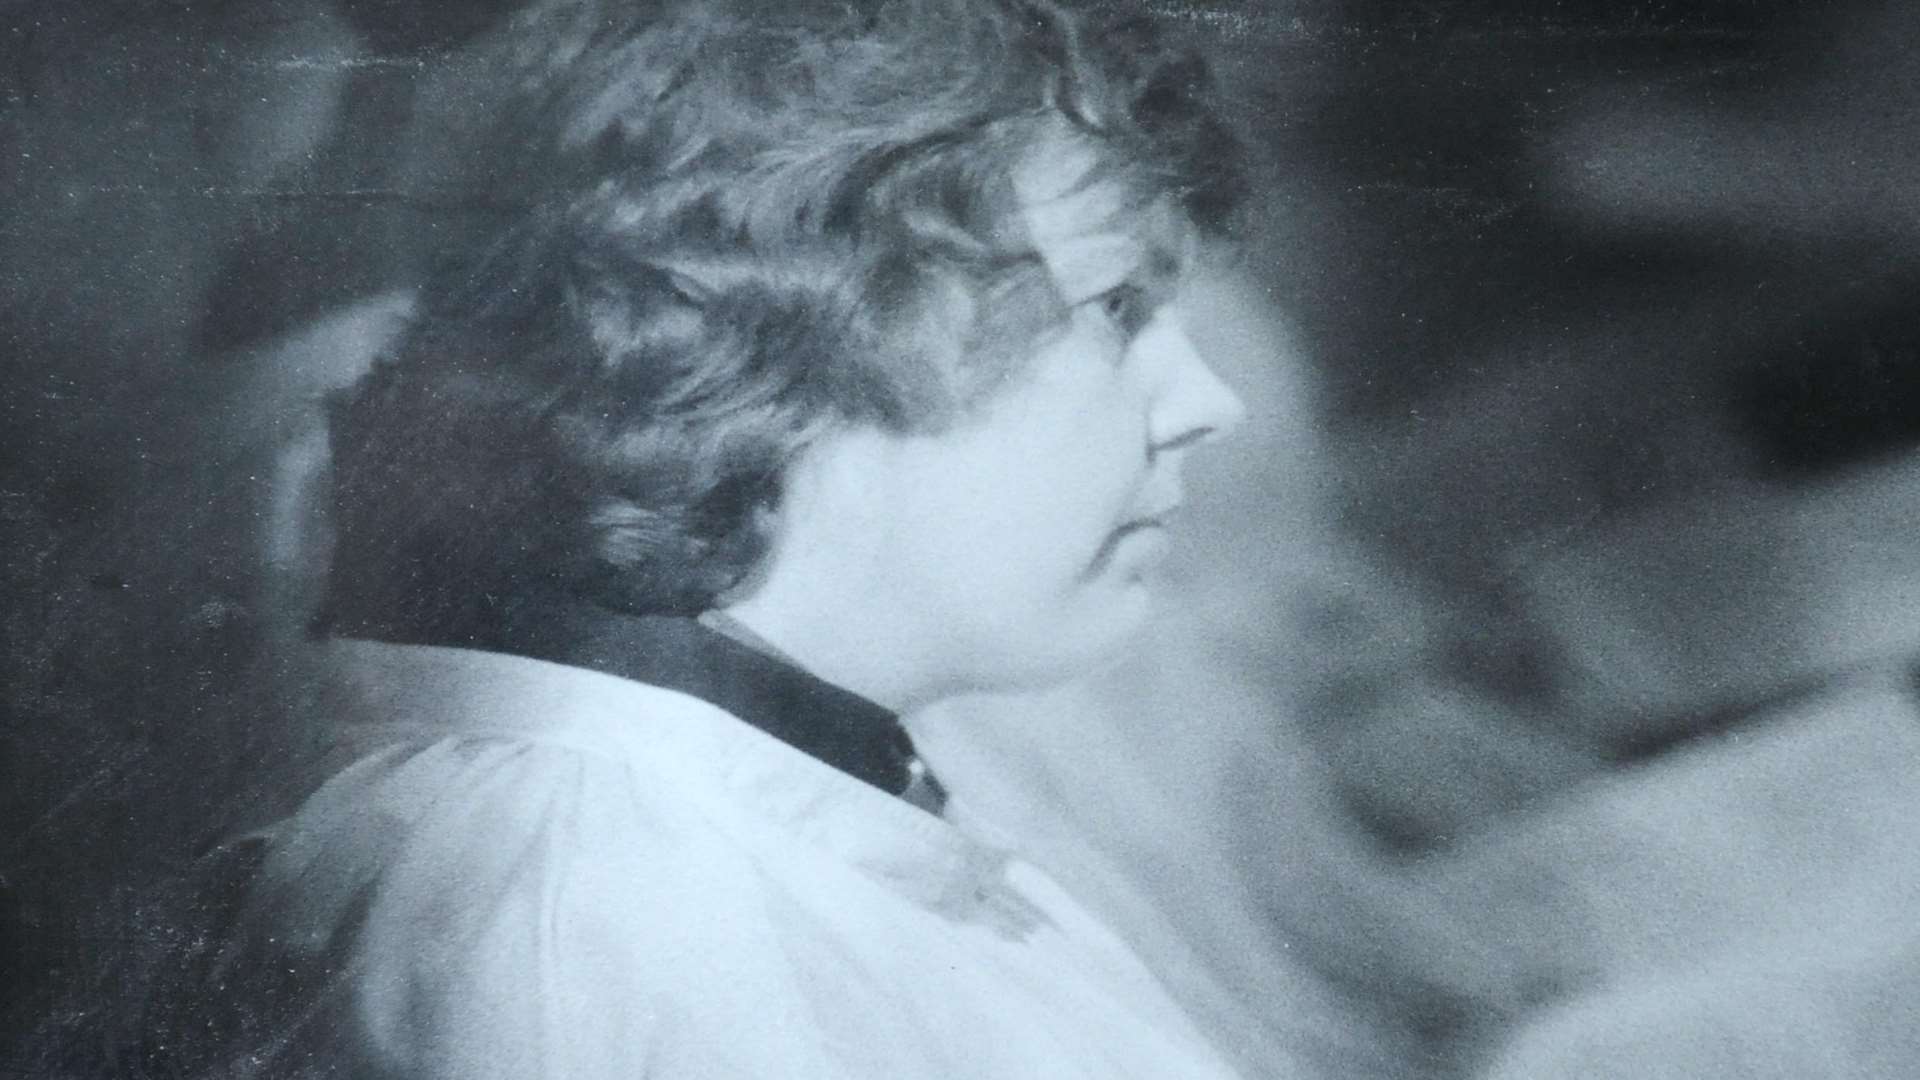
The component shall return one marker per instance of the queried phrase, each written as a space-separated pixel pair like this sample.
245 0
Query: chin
1071 649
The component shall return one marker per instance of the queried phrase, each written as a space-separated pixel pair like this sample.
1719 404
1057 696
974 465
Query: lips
1149 523
1136 526
1153 519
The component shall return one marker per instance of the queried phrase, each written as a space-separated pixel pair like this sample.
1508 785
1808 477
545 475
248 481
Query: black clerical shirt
849 732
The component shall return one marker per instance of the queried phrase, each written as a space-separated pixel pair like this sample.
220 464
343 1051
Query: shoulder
480 772
498 895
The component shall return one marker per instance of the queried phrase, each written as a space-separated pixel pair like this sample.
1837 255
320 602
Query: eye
1127 306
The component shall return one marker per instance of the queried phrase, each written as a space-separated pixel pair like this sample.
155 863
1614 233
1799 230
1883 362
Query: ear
830 515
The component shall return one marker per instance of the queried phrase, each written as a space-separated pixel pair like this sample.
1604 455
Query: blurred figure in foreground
1739 901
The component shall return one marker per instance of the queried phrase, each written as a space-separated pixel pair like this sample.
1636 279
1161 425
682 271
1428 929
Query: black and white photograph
960 539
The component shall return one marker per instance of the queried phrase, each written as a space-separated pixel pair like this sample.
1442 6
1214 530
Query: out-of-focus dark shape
1818 163
134 138
1827 400
1821 154
1735 901
1810 171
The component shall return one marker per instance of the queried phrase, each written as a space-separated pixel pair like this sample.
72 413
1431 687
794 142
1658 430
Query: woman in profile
838 369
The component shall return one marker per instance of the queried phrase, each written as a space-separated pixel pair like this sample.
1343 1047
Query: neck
862 655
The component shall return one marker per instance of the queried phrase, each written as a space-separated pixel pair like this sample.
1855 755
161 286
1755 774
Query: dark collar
841 728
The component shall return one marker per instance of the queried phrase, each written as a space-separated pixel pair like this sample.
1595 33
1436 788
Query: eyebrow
1103 258
1147 242
1154 261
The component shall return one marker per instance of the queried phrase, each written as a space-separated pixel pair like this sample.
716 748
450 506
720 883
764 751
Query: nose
1191 404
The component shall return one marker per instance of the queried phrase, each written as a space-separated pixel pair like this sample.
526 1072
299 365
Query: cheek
1021 505
1020 546
1008 576
1052 512
1025 491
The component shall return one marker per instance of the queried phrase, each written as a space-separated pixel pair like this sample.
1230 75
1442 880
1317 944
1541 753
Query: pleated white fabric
533 871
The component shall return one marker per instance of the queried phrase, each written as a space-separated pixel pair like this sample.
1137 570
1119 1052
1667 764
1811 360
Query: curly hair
748 227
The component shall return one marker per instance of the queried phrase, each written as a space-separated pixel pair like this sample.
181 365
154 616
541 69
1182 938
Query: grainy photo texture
959 539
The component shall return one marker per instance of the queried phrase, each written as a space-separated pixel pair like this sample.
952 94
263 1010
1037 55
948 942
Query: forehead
1090 227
